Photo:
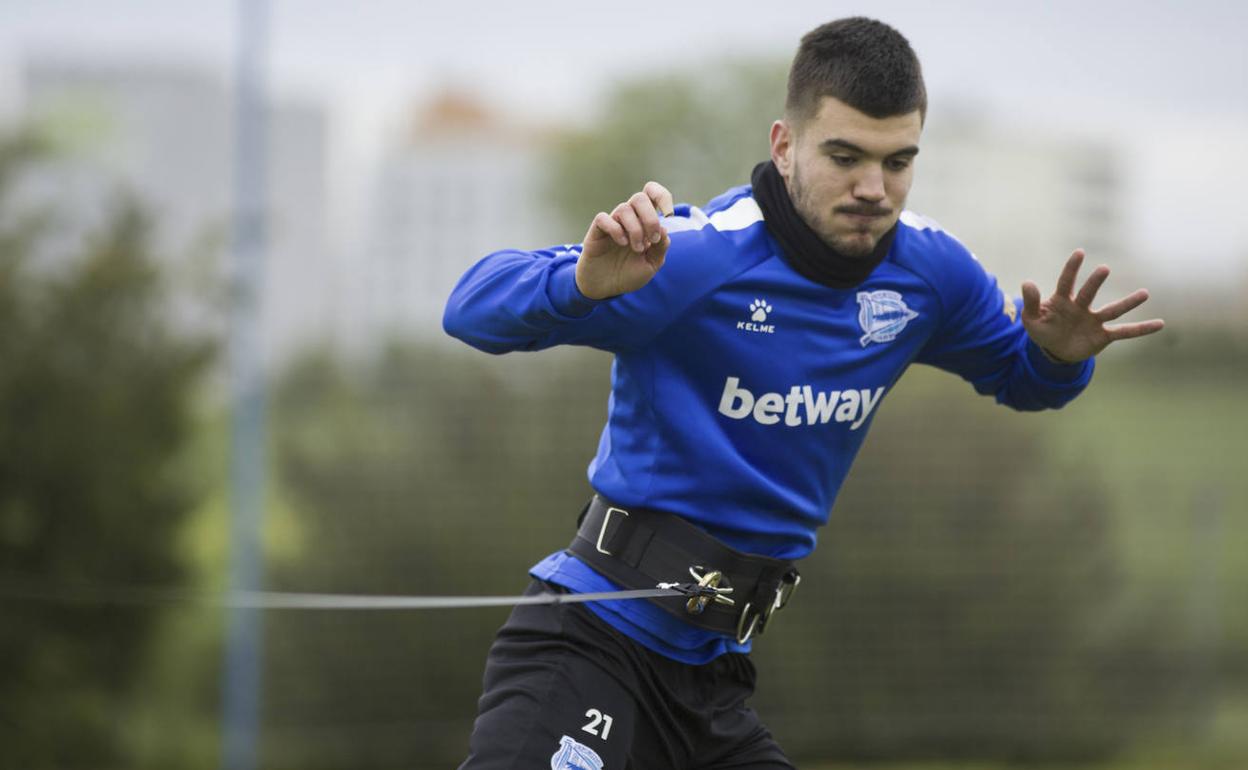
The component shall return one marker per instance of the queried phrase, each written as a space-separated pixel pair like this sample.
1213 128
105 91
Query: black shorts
565 690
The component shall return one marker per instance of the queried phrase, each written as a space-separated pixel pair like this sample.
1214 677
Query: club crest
1008 307
882 315
572 755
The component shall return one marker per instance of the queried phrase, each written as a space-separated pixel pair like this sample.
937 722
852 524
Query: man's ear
782 147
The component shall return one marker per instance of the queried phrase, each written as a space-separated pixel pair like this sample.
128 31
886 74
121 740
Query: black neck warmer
801 246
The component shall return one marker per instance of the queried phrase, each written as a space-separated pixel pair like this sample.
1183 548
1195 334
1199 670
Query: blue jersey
741 391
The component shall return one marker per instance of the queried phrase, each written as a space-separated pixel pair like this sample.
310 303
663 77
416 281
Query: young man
753 342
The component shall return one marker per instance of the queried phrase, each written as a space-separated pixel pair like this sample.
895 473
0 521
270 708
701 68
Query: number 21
596 718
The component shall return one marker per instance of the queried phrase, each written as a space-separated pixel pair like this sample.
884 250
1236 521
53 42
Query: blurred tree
434 470
698 133
96 393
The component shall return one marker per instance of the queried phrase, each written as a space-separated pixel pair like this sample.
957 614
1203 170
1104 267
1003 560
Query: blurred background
227 233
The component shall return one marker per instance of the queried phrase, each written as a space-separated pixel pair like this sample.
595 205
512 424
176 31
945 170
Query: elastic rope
287 600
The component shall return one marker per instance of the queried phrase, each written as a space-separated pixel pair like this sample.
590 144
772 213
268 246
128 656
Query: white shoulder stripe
695 221
738 216
918 221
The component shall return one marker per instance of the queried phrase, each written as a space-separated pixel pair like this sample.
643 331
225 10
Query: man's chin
855 245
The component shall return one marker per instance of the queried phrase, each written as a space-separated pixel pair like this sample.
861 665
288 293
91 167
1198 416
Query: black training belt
639 547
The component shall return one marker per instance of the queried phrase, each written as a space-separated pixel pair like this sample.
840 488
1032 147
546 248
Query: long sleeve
528 300
517 300
982 340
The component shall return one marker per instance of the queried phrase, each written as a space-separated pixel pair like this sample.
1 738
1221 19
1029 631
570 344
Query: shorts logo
574 756
882 315
758 318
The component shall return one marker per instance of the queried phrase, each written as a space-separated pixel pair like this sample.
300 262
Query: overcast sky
1167 80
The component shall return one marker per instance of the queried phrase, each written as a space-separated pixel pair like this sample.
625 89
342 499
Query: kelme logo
759 310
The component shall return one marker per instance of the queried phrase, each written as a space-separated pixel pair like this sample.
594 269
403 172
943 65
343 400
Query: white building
460 184
1020 200
166 134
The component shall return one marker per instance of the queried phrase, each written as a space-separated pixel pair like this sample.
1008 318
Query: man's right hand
624 249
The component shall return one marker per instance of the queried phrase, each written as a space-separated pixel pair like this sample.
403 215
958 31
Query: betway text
802 405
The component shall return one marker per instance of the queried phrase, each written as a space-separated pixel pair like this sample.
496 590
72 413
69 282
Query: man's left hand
1066 327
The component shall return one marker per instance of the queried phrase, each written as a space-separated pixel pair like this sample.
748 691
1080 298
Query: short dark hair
862 62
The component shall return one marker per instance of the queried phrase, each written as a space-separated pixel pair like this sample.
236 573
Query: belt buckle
602 531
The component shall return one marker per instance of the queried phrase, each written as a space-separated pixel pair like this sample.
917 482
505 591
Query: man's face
848 173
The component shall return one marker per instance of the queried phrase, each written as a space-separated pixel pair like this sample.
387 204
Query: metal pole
241 665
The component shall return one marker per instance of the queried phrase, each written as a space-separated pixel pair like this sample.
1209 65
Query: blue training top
741 391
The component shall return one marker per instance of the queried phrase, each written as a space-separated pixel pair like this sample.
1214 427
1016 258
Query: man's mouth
863 219
864 215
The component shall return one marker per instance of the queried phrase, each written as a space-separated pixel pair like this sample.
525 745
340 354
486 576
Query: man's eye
897 164
844 161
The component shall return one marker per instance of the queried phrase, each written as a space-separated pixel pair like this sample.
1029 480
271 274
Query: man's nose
869 184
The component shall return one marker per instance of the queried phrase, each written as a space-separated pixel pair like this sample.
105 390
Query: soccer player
754 340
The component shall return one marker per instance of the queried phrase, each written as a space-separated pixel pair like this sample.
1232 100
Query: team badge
574 756
882 315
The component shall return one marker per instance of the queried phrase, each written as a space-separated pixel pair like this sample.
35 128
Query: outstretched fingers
1128 331
1122 306
1125 305
1092 286
1066 281
1031 299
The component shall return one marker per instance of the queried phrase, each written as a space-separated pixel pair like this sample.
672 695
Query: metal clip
784 592
743 632
710 580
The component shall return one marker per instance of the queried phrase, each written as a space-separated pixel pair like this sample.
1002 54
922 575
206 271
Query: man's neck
800 246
